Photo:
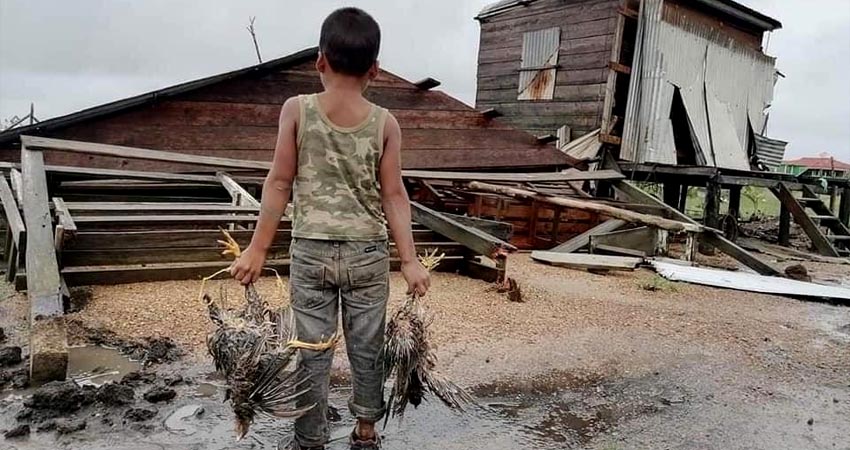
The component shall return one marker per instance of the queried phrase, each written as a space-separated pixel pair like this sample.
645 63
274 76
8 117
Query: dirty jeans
323 276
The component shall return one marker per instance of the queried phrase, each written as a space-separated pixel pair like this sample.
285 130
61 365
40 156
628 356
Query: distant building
824 165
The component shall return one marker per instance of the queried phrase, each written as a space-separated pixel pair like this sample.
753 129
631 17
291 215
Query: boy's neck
340 85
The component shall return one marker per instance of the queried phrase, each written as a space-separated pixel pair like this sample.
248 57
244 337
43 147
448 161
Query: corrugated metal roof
770 151
729 7
500 7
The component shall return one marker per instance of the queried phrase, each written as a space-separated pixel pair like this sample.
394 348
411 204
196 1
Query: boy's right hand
247 268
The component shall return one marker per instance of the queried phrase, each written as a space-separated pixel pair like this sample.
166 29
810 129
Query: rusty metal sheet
539 59
725 86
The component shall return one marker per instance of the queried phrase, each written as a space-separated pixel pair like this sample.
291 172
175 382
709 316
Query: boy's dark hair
350 41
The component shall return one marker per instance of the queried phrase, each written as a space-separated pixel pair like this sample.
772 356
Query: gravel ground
717 368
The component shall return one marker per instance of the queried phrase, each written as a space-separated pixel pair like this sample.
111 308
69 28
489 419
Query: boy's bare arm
396 206
276 191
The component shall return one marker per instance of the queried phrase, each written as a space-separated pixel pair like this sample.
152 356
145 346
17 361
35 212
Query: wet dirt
97 365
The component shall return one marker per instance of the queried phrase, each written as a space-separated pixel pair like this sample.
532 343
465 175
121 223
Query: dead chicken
408 356
253 349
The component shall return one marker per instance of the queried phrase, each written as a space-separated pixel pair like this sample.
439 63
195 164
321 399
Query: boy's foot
291 444
364 444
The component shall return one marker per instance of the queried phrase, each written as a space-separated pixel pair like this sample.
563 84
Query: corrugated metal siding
724 87
539 58
770 151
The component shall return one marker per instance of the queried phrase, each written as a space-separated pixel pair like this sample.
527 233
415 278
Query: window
539 64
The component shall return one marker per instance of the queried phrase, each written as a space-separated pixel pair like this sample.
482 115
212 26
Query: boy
340 157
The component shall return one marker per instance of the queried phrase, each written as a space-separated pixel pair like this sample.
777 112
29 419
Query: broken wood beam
476 240
17 185
90 148
635 194
583 239
585 261
501 230
647 240
567 176
426 84
16 230
48 337
239 194
606 210
806 222
844 206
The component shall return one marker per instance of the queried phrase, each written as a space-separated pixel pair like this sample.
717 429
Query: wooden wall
587 36
238 118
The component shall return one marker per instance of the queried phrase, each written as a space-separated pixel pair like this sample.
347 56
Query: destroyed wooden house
677 92
138 189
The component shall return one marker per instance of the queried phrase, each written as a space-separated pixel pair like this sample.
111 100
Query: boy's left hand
418 279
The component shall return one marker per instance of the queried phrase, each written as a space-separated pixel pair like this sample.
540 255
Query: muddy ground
587 362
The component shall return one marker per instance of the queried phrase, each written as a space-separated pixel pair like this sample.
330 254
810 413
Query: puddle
206 390
179 421
96 365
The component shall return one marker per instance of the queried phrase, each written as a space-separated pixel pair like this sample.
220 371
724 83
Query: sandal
362 444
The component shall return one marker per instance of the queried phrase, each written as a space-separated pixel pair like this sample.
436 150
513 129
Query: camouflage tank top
336 194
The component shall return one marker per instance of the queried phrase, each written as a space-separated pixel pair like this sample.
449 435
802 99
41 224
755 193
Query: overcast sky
68 55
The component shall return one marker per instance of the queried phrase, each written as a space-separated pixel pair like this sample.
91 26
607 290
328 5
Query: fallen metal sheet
585 261
744 281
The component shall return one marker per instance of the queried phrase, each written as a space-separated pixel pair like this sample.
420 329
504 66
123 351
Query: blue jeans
325 275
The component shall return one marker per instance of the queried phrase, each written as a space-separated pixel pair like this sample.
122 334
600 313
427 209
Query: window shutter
539 64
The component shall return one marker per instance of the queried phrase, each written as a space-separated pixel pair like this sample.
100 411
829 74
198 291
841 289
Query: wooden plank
63 214
112 275
473 238
179 239
647 240
583 239
501 230
612 249
736 180
620 68
159 219
610 211
48 340
88 173
844 206
636 194
611 82
574 175
14 221
585 261
17 185
239 194
798 212
89 148
100 257
784 226
154 208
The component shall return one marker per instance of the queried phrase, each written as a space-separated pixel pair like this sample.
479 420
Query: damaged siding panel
724 85
539 64
770 151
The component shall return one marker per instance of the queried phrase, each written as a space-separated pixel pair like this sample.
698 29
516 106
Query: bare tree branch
251 30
